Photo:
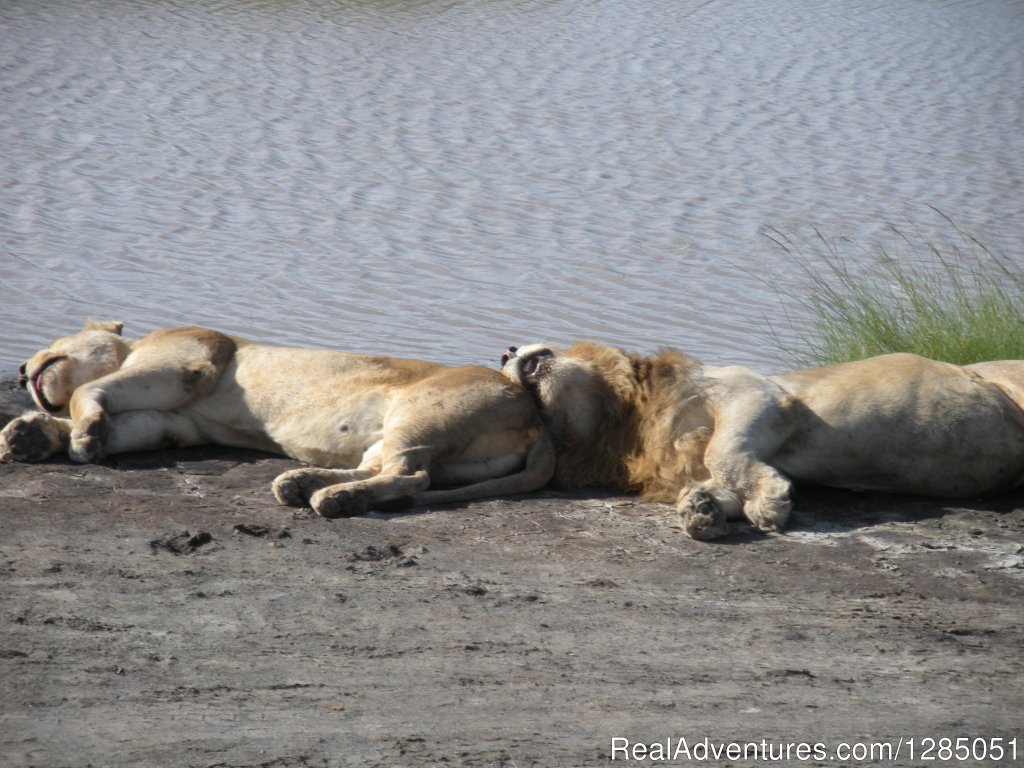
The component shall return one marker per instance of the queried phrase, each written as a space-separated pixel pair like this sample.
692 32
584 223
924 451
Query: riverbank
162 610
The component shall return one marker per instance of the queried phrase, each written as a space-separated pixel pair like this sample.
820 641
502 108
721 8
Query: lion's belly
335 443
875 469
324 440
958 441
319 408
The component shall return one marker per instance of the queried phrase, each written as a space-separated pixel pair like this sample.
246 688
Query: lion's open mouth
527 368
34 383
530 366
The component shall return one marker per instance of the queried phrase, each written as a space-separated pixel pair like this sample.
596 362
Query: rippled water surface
440 179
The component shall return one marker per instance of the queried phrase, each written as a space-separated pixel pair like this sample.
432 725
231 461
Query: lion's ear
110 326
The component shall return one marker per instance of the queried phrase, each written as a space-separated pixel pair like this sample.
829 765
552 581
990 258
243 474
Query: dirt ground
162 610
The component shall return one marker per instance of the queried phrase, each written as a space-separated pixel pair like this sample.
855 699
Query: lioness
379 429
723 442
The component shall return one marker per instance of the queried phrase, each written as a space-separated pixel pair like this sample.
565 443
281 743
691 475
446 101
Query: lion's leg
467 428
769 506
295 487
358 498
396 470
37 436
535 473
765 493
403 481
150 431
735 466
34 437
138 388
745 432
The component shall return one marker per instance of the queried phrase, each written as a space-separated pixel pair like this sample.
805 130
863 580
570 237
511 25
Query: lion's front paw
770 509
702 517
348 500
32 437
89 444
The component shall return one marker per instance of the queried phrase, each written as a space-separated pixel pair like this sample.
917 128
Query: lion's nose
22 379
509 354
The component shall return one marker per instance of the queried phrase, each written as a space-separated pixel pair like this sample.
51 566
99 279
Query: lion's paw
341 501
770 509
288 491
770 515
294 487
702 517
32 437
89 445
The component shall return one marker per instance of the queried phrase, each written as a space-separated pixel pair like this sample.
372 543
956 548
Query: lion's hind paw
769 511
703 518
341 501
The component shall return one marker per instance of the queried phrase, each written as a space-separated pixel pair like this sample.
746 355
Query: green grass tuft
961 305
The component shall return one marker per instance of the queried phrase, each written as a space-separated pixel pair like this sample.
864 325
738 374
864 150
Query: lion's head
618 420
53 374
586 396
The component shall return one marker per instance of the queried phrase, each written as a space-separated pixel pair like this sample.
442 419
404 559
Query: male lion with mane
380 430
723 442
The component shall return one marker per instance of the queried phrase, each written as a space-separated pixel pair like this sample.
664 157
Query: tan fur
725 442
379 429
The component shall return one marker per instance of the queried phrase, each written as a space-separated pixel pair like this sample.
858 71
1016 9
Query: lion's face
566 385
586 395
52 375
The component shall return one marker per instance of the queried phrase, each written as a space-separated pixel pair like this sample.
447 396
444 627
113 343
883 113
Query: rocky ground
162 610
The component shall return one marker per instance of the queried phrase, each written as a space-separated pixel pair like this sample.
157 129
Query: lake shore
161 610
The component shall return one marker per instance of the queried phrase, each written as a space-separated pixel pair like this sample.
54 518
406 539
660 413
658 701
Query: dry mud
162 610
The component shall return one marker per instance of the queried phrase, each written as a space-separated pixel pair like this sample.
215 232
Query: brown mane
640 403
674 423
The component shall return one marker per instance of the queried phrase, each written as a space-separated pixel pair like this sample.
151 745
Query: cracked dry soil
161 610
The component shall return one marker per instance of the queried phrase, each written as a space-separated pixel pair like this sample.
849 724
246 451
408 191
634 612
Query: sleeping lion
378 429
725 442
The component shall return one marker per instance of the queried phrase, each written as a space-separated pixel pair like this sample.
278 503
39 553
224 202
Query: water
440 179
